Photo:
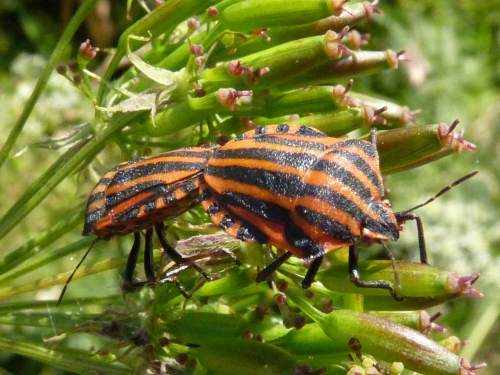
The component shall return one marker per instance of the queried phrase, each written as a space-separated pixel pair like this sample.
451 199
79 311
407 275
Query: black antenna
74 271
444 190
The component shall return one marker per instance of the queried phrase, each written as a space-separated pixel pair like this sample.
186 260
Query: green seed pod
202 327
313 99
359 62
388 303
259 14
418 320
311 340
384 339
392 342
244 357
340 122
279 63
417 279
395 114
359 11
412 146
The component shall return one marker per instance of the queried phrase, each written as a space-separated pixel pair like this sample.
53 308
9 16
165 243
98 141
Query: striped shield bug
140 195
290 186
294 187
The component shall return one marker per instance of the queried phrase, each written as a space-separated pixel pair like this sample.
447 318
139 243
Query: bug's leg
355 278
401 217
129 283
309 249
394 265
312 271
170 276
266 272
174 255
230 254
149 269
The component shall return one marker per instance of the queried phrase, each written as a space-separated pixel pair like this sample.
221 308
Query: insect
290 186
140 195
296 188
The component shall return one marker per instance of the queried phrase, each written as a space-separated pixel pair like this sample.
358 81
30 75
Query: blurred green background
454 72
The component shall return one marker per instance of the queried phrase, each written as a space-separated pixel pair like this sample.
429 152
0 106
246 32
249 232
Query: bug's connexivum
272 70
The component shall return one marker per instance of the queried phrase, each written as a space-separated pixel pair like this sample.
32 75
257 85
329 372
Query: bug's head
384 227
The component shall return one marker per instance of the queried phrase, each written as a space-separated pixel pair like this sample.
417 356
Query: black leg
174 255
266 272
149 267
355 278
132 261
170 276
312 271
401 217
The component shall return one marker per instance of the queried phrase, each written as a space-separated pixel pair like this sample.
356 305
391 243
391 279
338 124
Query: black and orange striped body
287 185
143 192
296 188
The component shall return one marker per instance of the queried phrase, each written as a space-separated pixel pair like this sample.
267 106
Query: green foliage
61 145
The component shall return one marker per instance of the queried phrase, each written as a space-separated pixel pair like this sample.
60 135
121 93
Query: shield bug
296 188
140 195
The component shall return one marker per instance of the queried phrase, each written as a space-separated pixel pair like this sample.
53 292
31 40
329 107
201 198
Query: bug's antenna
74 271
444 190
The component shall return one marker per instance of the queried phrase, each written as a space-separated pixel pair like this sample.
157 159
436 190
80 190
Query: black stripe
150 206
213 209
334 199
91 220
187 153
307 131
188 186
327 225
205 195
158 186
128 215
95 197
367 147
260 131
296 237
282 128
165 192
343 175
304 162
126 176
226 222
276 182
169 198
265 209
300 161
249 232
363 166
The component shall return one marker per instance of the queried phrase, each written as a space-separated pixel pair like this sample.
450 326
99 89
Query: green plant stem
163 19
33 265
37 244
67 164
71 360
55 58
482 327
105 265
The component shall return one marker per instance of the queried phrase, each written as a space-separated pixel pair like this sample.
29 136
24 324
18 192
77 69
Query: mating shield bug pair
290 186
